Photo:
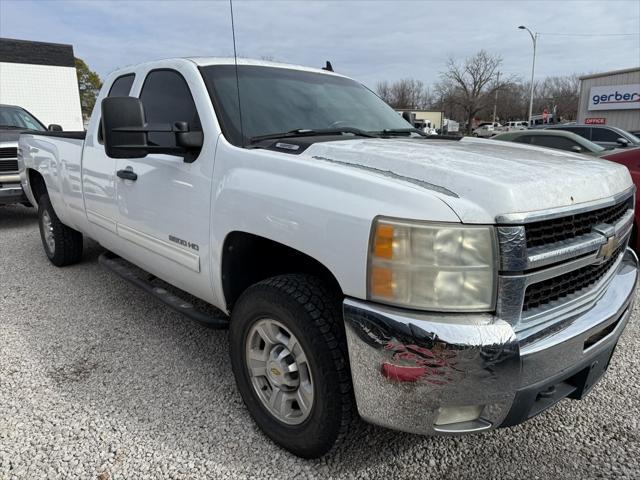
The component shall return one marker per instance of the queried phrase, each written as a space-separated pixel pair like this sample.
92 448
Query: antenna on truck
235 60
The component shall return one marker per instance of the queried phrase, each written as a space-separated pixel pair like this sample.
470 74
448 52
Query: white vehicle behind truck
426 284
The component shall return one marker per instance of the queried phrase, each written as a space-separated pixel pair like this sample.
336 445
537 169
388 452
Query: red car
630 159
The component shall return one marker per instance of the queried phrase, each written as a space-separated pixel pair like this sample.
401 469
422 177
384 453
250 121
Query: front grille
9 165
8 152
550 231
556 288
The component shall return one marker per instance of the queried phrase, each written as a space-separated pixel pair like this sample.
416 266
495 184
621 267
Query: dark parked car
14 120
558 139
603 135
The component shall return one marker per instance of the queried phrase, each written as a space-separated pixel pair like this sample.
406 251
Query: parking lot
97 380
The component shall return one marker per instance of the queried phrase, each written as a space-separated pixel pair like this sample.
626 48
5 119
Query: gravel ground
98 380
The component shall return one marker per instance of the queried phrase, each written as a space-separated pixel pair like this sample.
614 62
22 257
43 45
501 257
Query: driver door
163 201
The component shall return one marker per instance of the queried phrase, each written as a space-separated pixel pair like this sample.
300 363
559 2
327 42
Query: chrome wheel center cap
280 366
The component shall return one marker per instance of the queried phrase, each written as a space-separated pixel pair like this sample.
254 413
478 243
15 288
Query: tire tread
68 241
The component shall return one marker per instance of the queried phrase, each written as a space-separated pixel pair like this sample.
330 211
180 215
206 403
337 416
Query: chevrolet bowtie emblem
608 248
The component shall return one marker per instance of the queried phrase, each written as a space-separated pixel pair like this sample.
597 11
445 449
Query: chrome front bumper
420 372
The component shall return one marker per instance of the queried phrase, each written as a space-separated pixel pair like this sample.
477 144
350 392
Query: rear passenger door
98 173
163 215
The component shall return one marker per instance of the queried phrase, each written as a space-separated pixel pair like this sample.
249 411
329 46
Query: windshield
15 117
276 100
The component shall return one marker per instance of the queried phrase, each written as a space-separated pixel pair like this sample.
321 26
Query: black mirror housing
118 113
54 127
189 140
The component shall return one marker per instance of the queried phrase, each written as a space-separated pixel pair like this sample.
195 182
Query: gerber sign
615 97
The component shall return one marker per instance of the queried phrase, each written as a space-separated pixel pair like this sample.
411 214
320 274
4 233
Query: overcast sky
368 40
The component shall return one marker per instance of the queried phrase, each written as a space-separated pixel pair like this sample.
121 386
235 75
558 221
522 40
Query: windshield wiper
14 127
306 132
401 131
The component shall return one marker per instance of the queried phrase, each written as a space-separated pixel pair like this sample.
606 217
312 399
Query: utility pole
534 39
495 102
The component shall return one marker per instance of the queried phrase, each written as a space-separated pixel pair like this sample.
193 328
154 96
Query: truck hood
481 179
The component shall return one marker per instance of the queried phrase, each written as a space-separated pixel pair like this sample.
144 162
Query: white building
611 98
41 77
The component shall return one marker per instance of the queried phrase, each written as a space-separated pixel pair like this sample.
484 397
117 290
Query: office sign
615 97
595 121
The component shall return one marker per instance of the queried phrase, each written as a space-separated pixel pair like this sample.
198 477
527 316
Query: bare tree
561 93
384 91
471 84
407 93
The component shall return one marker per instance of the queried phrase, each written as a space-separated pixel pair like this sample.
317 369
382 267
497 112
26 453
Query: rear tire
300 311
62 244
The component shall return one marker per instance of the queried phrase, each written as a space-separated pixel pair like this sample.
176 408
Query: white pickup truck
432 285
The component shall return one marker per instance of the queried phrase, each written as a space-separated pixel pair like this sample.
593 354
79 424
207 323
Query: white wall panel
48 92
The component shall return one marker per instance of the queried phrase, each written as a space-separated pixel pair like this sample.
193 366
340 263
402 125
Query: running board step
118 265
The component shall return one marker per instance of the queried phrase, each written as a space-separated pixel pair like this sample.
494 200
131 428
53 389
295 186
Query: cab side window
584 132
559 143
121 87
604 135
167 99
523 139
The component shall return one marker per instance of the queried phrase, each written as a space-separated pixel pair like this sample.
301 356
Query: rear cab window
121 87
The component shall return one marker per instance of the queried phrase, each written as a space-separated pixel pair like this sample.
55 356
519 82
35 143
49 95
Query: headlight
442 267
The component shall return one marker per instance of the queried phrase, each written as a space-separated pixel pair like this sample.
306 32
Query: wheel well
248 259
37 184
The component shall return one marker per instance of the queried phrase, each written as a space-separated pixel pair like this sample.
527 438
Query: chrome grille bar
522 266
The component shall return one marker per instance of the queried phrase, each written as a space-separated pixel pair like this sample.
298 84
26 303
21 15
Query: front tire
63 245
289 358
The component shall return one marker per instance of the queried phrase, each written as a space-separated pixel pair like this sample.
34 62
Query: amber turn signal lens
382 282
383 241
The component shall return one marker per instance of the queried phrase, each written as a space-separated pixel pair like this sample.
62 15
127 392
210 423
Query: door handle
127 175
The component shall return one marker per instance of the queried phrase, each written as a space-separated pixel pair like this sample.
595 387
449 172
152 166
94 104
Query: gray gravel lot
97 380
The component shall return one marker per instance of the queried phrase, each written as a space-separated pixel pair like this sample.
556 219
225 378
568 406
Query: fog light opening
465 413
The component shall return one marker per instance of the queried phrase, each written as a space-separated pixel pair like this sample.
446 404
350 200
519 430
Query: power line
591 34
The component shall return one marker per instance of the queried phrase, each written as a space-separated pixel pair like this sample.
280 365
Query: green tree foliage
89 84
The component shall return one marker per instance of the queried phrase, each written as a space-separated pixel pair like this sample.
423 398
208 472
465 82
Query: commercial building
434 119
41 77
611 98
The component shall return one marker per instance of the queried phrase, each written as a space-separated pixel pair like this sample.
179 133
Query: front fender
321 209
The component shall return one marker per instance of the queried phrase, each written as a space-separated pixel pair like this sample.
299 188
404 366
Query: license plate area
584 380
535 399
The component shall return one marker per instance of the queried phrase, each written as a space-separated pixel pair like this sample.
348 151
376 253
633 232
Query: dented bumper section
432 373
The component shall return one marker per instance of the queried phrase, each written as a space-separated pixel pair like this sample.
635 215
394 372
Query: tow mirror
576 149
623 142
119 116
125 132
190 140
54 128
